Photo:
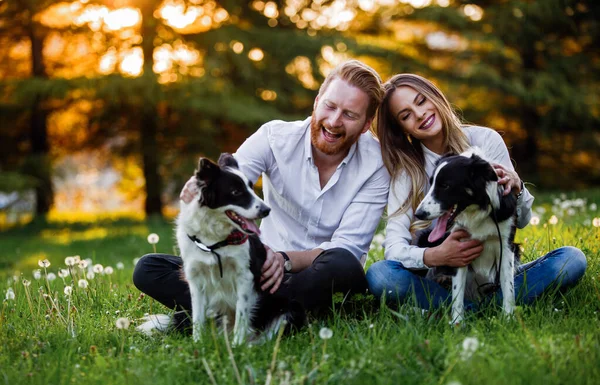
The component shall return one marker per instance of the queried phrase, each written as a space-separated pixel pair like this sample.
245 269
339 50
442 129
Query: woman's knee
575 263
388 278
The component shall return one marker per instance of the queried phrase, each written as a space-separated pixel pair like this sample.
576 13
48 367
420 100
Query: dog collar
236 237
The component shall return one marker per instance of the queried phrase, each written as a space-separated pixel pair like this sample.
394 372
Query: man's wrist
287 262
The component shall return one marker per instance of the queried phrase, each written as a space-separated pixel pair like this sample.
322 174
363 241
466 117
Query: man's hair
361 76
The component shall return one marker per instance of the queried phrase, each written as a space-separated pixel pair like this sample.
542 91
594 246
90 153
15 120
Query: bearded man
327 186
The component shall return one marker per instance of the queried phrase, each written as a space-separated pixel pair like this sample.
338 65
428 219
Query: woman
416 125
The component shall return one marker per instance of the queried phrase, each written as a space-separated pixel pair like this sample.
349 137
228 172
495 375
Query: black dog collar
235 238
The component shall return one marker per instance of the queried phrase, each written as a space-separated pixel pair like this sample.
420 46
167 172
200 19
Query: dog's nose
264 211
421 214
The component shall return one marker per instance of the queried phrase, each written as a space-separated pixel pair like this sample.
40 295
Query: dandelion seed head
153 238
68 290
596 222
82 283
90 275
553 220
51 277
63 273
534 221
325 333
120 266
470 346
108 270
98 268
122 323
70 261
26 282
593 207
37 274
10 294
44 263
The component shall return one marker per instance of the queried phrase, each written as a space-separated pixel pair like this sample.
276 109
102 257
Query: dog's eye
444 186
236 193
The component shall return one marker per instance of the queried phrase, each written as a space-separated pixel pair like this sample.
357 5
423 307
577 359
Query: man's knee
140 272
341 267
338 260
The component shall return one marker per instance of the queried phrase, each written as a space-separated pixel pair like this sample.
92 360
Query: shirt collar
308 146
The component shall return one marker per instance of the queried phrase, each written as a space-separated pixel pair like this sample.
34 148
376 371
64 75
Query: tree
528 68
18 22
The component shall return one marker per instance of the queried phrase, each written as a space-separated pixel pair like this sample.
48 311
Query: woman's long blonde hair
403 153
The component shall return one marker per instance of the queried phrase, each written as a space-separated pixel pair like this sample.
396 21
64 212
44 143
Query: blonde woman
416 125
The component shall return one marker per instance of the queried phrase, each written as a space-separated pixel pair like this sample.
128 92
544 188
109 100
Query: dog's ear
482 168
227 160
207 171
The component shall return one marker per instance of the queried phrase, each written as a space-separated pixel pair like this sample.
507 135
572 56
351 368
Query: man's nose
335 119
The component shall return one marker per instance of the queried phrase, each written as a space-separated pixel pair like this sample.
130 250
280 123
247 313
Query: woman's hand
190 190
509 179
456 251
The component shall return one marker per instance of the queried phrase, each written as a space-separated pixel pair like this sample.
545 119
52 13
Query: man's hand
190 190
509 179
272 271
455 251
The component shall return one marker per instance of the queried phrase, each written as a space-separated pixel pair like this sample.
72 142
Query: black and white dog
223 256
465 194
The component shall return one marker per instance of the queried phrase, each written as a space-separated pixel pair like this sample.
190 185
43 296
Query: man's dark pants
333 271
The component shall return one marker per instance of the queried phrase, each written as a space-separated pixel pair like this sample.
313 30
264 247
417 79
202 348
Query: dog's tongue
251 226
440 228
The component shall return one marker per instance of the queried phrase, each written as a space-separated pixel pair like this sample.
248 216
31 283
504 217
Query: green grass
73 339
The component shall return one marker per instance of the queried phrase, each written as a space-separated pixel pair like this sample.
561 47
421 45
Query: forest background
105 106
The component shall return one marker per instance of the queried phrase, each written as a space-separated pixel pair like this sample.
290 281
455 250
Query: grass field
49 337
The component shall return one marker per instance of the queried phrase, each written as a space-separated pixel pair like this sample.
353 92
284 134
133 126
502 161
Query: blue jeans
559 269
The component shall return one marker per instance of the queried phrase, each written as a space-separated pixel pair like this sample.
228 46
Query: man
326 184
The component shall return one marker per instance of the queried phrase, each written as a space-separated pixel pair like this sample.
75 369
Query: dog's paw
196 337
457 320
238 339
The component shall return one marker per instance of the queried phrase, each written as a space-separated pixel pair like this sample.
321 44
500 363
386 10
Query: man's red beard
342 145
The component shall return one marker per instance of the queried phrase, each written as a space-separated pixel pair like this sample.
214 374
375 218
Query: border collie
223 256
465 194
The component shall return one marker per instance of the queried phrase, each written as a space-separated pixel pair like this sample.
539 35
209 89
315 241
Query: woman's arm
495 149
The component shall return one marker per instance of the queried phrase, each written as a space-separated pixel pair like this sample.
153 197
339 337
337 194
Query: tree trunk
39 165
150 118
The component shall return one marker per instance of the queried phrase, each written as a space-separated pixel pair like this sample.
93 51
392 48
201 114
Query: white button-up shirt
304 216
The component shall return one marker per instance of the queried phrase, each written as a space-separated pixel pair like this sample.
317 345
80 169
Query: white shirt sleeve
362 216
255 156
398 237
494 148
